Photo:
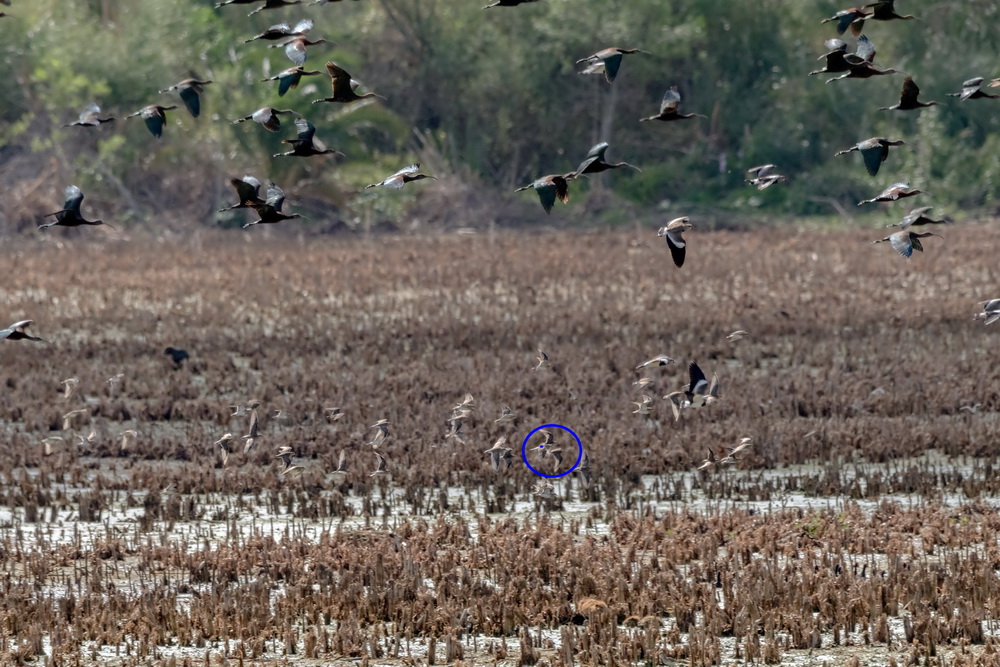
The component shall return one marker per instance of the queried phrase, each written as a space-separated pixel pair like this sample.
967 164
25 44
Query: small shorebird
381 469
455 425
764 176
673 232
642 383
333 414
644 406
853 18
709 461
245 408
114 381
225 443
68 418
739 334
341 472
916 218
383 432
991 311
731 452
506 414
875 151
89 440
905 242
544 490
658 360
543 360
496 452
17 331
69 386
250 439
285 454
547 440
698 394
606 62
468 403
49 441
908 98
894 192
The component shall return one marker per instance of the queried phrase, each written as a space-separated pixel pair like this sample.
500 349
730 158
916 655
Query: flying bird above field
709 461
990 313
333 414
908 98
344 87
861 64
874 151
285 454
584 469
283 31
250 439
17 331
658 360
270 211
905 242
885 10
643 382
550 188
248 191
673 232
543 361
306 144
190 91
382 466
383 427
643 406
496 452
70 215
69 386
972 90
89 117
290 78
916 218
225 443
544 490
764 176
268 117
508 3
268 4
739 334
595 163
698 394
892 193
835 58
295 48
402 177
853 18
668 108
606 61
506 414
154 116
342 469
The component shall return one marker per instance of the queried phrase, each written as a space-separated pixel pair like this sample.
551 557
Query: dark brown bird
283 31
154 116
835 57
248 190
508 3
607 61
972 90
177 355
17 331
290 78
70 215
668 108
861 63
268 117
905 242
892 193
885 10
306 144
908 98
89 117
853 18
550 188
270 211
874 151
295 48
595 163
344 87
190 91
916 218
401 178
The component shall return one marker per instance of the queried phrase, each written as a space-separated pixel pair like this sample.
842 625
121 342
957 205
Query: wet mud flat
860 527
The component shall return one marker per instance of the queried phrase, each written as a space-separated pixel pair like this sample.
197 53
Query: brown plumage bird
295 48
402 177
908 98
606 61
283 31
190 91
248 191
861 64
853 18
673 233
344 86
905 242
595 163
268 117
875 151
668 108
154 116
290 78
892 193
90 117
306 144
835 58
274 4
972 90
550 188
885 10
70 215
270 211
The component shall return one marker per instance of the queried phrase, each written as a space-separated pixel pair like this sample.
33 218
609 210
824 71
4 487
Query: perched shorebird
673 232
285 454
991 311
894 192
916 218
341 472
606 62
543 361
496 452
89 117
70 416
709 461
69 386
764 176
177 356
250 439
658 360
875 151
225 443
644 406
905 242
698 394
739 334
506 414
381 469
17 331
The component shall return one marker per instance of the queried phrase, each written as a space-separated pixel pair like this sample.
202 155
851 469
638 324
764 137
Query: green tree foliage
497 97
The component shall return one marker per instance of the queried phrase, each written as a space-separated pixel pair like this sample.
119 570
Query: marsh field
859 529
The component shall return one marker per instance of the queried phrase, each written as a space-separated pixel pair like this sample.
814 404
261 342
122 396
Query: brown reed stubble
402 327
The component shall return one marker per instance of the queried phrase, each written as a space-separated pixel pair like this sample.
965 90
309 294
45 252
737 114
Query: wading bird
894 192
874 151
342 471
764 176
905 242
584 469
861 64
908 98
268 117
270 211
835 58
250 439
177 356
543 361
508 3
496 452
885 10
344 87
658 360
991 311
285 454
550 188
698 394
70 215
402 177
972 90
275 4
154 116
295 48
248 191
190 91
606 61
306 144
853 18
673 233
595 163
283 31
290 78
668 108
643 407
916 218
17 331
89 117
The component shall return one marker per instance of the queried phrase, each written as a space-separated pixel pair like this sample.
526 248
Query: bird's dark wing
340 80
305 129
910 92
562 188
611 65
155 120
874 155
189 95
678 248
247 188
73 199
287 80
697 377
546 195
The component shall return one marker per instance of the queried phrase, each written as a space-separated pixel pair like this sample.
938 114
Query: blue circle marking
579 447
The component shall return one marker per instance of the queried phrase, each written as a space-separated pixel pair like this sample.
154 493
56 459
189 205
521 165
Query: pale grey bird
90 117
917 218
250 439
644 406
129 438
333 414
69 417
642 383
709 461
468 403
543 360
991 311
383 426
69 386
225 443
731 452
606 62
658 360
285 454
584 470
544 490
401 178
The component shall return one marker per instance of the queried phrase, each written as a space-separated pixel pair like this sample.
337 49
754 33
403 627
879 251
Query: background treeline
489 100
